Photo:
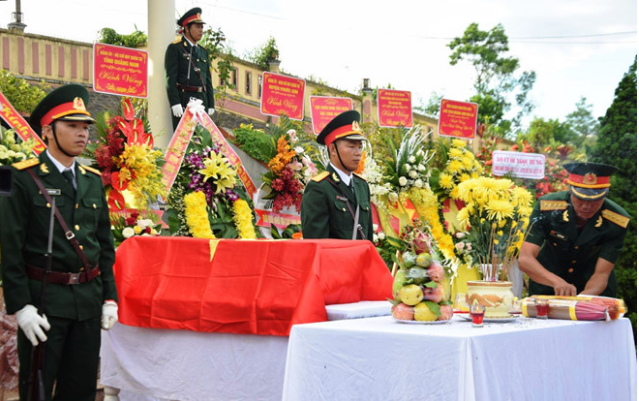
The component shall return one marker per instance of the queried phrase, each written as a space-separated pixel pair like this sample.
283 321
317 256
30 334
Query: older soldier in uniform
337 202
188 72
576 236
80 295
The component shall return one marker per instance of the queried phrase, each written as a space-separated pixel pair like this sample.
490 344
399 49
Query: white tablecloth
379 359
154 364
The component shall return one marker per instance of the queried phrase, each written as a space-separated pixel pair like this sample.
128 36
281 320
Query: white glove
211 111
109 314
177 110
32 324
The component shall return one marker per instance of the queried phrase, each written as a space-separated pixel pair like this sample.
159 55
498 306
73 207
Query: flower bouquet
420 287
207 199
496 216
142 223
125 156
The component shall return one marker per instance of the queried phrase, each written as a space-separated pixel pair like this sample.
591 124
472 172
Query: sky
576 48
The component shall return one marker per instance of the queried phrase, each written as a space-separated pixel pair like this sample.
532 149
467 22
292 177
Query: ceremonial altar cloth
243 286
526 360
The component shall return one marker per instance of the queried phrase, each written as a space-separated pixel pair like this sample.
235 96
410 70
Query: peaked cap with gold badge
66 103
589 181
194 15
343 126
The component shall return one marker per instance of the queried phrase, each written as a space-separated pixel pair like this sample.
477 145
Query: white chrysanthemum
412 174
128 232
402 181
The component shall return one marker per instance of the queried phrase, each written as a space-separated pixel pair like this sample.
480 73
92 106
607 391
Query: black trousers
71 359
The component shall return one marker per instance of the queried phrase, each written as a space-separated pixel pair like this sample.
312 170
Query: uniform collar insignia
565 216
335 177
44 168
599 222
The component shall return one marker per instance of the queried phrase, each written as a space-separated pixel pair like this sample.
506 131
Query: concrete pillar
162 25
367 102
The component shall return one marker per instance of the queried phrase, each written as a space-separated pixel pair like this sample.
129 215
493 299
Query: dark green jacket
568 254
324 210
180 69
24 229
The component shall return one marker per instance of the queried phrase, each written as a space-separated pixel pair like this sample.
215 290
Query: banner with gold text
177 148
19 124
120 70
457 119
282 95
394 108
324 109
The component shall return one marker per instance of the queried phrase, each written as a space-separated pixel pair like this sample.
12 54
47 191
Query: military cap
66 103
343 126
194 15
589 181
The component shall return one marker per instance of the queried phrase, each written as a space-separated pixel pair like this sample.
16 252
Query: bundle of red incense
582 307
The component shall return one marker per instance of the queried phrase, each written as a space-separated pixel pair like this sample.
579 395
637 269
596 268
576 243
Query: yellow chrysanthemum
521 197
455 153
455 166
197 215
243 218
459 143
464 177
468 162
446 181
463 217
499 209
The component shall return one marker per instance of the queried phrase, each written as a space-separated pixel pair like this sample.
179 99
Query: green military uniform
572 255
72 350
325 212
188 70
329 206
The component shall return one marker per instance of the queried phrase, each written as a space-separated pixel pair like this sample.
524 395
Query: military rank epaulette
547 205
620 220
90 169
177 40
320 176
26 163
359 176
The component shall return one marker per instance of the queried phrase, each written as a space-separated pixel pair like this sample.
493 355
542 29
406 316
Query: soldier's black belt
186 88
37 273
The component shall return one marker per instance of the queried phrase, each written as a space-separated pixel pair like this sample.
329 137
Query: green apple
399 281
408 259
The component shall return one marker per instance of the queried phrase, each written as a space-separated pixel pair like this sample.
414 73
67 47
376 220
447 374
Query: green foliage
617 145
263 55
111 37
582 123
287 233
548 132
255 143
213 42
431 108
23 96
495 79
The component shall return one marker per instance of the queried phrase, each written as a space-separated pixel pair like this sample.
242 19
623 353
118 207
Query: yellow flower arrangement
195 211
217 166
496 216
146 183
243 218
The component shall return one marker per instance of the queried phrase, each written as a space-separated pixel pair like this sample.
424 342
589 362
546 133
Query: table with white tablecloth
526 359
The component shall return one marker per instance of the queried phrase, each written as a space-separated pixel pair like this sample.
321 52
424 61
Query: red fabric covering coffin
250 287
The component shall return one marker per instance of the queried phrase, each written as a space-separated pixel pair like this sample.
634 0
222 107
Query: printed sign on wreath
394 108
324 109
120 70
282 95
457 119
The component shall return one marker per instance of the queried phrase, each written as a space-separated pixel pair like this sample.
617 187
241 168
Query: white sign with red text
522 165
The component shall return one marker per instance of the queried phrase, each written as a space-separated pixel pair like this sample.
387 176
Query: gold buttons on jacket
77 227
576 247
94 206
571 270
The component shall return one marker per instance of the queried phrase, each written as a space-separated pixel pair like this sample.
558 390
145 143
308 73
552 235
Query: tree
617 145
582 123
23 96
432 107
548 132
496 84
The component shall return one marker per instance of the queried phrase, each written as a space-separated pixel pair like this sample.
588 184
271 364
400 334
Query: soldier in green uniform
337 203
80 295
576 236
187 68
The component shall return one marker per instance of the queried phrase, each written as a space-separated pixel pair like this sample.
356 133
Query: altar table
529 359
